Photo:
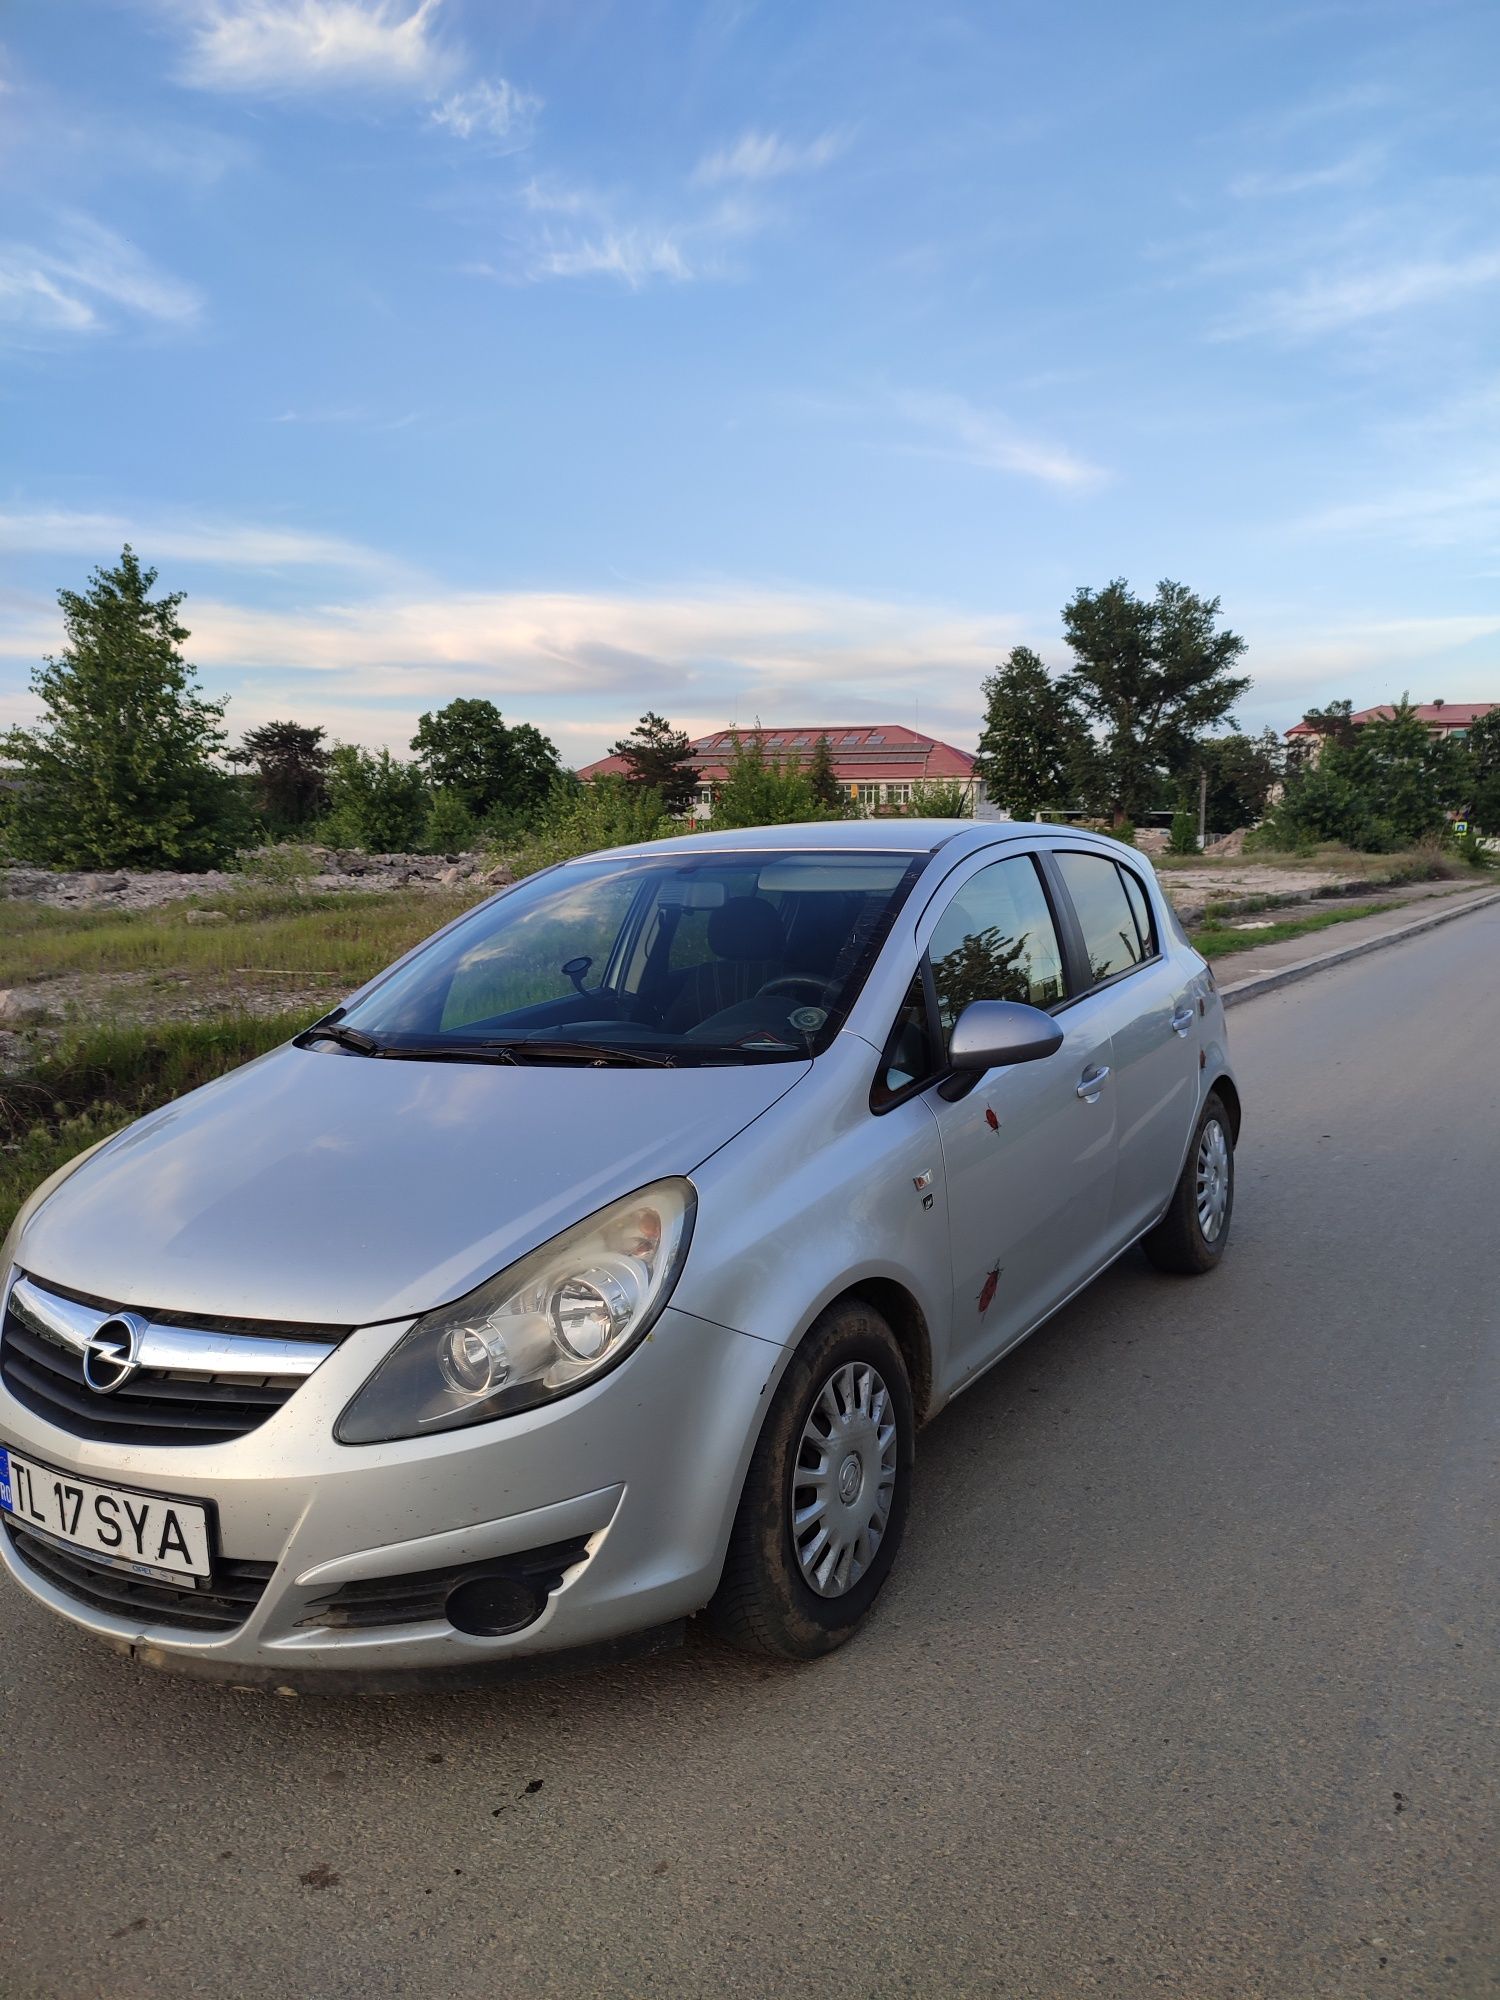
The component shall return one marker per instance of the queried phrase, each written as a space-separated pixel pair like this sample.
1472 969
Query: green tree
1033 741
1413 779
467 748
1483 749
122 771
763 791
290 773
660 759
1149 675
375 802
1333 723
1389 786
1241 772
831 794
535 768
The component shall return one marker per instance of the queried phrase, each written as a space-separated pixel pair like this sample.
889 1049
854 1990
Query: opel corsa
596 1264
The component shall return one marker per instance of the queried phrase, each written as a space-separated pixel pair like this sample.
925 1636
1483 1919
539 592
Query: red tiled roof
864 753
1449 714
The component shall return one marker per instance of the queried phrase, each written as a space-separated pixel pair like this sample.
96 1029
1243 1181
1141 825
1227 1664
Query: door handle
1093 1082
1182 1020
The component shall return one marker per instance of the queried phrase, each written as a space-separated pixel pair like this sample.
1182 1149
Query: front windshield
689 957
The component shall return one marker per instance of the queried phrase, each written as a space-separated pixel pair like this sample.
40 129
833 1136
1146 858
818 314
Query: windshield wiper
596 1052
347 1038
495 1052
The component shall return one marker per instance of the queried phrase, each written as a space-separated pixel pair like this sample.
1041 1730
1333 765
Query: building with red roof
877 762
1443 718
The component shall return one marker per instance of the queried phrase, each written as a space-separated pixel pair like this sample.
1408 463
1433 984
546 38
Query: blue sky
741 359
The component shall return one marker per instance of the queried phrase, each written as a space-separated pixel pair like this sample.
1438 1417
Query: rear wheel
827 1493
1190 1237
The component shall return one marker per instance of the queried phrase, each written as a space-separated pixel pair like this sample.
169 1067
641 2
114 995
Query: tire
1181 1242
765 1602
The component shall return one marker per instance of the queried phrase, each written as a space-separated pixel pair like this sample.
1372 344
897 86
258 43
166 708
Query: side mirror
992 1034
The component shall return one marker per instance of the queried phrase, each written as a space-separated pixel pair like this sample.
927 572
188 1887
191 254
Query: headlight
559 1318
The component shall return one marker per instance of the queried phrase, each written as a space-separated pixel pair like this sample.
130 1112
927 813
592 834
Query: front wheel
1190 1237
827 1493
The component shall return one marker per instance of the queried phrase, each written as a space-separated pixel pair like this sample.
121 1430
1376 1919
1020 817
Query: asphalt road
1186 1682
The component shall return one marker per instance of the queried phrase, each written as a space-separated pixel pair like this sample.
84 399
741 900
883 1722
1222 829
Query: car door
1145 994
1028 1152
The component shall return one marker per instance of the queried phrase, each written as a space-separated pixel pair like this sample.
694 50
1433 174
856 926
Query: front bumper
640 1473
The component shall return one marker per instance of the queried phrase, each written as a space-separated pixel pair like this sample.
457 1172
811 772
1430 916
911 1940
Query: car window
696 955
908 1054
996 941
1110 937
1141 910
503 971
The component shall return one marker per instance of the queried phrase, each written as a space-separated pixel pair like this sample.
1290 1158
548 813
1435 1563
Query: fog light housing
489 1607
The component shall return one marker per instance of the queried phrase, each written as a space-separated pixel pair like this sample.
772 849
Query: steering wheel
794 983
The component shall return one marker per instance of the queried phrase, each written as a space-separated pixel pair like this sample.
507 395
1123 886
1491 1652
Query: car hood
318 1186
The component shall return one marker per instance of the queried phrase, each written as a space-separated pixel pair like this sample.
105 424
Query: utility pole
1202 805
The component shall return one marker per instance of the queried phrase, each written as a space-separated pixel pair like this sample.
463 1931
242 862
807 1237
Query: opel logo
110 1353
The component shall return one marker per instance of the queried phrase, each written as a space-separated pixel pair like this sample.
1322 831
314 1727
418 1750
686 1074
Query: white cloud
963 429
85 281
764 156
496 113
572 232
280 46
1328 302
577 663
1354 170
634 256
1299 660
1465 507
235 544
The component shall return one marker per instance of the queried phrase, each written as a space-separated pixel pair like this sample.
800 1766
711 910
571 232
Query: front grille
415 1598
155 1407
223 1605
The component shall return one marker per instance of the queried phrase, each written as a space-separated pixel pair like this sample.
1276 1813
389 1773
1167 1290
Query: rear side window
996 941
1141 910
1110 937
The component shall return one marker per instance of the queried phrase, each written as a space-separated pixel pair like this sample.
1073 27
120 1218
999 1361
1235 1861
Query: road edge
1284 975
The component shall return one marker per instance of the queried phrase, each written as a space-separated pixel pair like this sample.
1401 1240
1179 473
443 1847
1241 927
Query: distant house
1449 719
878 765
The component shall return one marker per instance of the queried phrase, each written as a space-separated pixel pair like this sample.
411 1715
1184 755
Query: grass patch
1219 941
89 1085
1430 862
346 938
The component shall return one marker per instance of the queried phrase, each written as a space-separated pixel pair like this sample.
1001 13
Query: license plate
140 1531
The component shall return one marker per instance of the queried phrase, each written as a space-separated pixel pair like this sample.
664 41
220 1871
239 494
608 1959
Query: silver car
596 1265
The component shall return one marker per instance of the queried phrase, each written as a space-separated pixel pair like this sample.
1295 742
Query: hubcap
1213 1180
844 1479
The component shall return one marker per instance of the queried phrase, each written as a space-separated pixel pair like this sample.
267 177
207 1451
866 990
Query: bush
1184 835
1471 847
940 798
1327 803
450 827
279 865
376 803
763 791
582 819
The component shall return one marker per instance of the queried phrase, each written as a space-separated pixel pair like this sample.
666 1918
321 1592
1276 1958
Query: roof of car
867 836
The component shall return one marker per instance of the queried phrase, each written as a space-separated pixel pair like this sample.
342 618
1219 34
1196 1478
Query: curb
1267 982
